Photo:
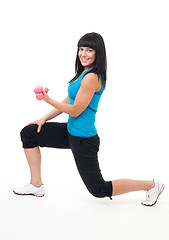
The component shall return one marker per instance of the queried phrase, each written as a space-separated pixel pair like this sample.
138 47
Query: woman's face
87 57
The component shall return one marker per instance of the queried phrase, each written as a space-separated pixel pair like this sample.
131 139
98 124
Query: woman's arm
89 86
55 112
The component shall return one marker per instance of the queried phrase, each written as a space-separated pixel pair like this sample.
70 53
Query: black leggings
85 151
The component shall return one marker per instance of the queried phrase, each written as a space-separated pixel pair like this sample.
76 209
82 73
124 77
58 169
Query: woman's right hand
40 123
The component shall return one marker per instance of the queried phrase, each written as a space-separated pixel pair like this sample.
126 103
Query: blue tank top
84 124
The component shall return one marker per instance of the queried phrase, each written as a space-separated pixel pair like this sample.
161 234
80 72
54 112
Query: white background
38 43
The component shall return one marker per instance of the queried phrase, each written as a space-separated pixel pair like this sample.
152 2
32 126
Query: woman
79 134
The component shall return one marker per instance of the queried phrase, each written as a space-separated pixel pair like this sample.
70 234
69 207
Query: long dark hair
95 41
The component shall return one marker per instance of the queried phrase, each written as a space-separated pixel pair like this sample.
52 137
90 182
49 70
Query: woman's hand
45 96
40 123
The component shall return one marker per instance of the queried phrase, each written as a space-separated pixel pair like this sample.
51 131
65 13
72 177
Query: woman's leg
51 135
153 189
121 186
33 157
85 153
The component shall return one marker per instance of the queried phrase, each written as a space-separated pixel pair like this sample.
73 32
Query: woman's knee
27 132
102 190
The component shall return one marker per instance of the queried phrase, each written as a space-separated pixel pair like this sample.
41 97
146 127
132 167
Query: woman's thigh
52 134
85 152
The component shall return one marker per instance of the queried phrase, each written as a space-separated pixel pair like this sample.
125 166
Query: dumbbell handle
39 92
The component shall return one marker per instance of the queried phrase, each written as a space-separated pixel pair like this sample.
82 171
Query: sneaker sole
161 190
29 194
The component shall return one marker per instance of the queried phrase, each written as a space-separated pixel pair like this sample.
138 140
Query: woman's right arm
55 112
52 114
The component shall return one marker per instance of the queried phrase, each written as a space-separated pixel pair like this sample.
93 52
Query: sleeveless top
83 125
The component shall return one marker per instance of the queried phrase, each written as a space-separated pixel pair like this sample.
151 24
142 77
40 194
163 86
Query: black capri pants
85 151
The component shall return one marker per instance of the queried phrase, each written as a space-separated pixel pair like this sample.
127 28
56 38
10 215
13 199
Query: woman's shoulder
91 77
90 80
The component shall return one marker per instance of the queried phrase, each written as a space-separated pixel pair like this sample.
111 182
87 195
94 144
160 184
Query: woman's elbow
76 112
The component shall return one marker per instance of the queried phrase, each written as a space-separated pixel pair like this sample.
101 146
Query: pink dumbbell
39 92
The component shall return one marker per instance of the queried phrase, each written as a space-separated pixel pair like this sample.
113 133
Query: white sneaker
30 190
153 194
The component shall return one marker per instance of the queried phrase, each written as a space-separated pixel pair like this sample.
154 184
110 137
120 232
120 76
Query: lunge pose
79 134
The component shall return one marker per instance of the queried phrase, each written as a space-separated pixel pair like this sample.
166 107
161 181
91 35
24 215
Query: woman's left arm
89 85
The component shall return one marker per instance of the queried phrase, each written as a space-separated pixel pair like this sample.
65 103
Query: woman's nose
84 53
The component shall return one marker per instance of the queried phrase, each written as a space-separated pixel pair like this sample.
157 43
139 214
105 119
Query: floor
75 214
